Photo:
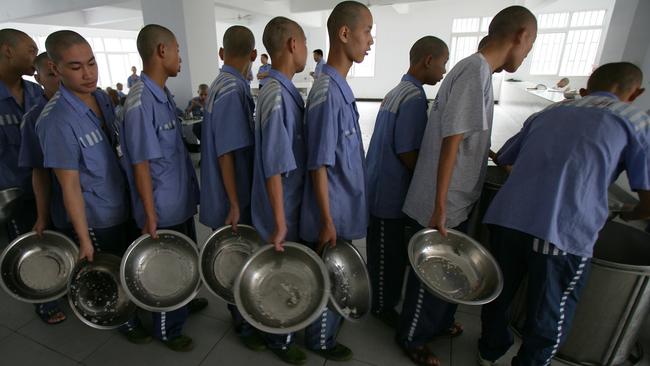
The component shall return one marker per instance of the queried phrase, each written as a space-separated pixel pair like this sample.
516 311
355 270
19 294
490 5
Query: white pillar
194 25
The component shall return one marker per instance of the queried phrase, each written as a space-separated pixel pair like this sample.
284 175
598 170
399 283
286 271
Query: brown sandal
422 356
453 332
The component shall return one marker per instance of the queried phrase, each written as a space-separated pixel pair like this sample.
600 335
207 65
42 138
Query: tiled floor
25 340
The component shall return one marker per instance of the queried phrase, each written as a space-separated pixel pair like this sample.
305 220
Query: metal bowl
223 256
455 268
36 269
161 274
350 294
282 292
9 199
96 295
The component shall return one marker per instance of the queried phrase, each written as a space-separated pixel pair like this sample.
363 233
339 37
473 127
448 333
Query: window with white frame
567 43
466 33
114 57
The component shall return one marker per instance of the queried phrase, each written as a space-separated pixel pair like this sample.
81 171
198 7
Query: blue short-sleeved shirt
11 115
280 149
333 140
264 68
31 156
72 138
565 158
151 132
132 80
197 111
399 128
319 68
227 128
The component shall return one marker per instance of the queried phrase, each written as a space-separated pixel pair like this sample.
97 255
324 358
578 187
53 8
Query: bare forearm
321 189
274 190
42 183
227 168
143 184
446 164
74 203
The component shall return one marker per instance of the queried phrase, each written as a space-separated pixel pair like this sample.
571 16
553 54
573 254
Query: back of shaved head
623 76
510 21
277 32
238 41
346 13
60 41
10 36
40 62
150 36
427 46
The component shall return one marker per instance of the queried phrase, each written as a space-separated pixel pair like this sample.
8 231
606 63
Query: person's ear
221 53
161 49
344 34
6 51
37 77
635 94
583 92
428 61
293 44
253 55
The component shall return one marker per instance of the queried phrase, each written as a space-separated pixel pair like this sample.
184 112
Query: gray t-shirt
464 105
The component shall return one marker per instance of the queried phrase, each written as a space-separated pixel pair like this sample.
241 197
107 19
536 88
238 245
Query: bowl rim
219 231
335 305
78 313
301 325
16 242
441 294
127 255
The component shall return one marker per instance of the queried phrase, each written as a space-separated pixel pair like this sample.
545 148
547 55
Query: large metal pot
613 304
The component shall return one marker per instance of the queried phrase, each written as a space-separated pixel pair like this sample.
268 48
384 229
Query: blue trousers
169 324
386 250
555 279
424 315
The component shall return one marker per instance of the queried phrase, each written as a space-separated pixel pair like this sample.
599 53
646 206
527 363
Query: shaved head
10 36
41 62
510 21
346 13
621 76
427 46
238 41
57 42
278 31
150 37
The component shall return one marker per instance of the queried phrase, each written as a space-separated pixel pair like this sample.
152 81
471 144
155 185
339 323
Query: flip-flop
421 356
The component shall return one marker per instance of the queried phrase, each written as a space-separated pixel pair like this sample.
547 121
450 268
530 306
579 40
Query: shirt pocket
93 155
350 139
11 126
167 137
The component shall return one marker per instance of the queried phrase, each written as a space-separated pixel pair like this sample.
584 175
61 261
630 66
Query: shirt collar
341 82
159 93
231 70
410 78
288 85
604 94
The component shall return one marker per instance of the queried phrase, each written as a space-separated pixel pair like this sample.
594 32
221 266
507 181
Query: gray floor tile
71 338
205 332
473 310
230 351
15 314
464 347
5 332
20 350
348 363
373 343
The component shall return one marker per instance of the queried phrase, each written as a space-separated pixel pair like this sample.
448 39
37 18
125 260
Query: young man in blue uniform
451 166
197 104
17 96
391 158
334 203
318 58
163 185
48 196
279 165
545 225
133 78
263 71
227 150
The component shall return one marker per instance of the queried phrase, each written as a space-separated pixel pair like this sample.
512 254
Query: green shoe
254 342
338 353
181 343
292 355
138 335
